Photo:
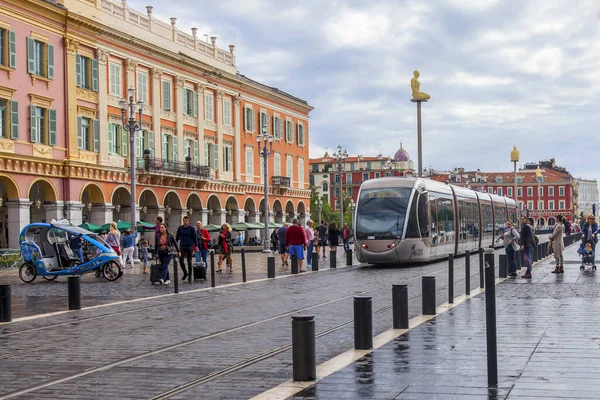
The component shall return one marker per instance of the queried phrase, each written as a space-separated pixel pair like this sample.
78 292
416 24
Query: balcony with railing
187 169
281 181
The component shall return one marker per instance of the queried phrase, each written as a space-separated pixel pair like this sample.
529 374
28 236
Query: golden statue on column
415 85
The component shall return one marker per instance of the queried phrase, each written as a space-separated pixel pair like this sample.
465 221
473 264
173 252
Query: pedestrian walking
333 234
322 237
113 239
188 240
282 247
274 240
165 249
295 241
157 221
558 246
510 238
225 247
203 241
589 232
309 232
346 236
143 254
526 244
127 243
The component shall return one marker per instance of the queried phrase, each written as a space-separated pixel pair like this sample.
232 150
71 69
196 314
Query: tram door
433 212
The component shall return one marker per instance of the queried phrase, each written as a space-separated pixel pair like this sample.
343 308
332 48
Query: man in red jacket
295 241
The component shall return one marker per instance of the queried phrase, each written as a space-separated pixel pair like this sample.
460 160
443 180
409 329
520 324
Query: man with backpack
526 243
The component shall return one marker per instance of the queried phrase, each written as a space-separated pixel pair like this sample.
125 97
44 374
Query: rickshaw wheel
111 271
27 272
50 277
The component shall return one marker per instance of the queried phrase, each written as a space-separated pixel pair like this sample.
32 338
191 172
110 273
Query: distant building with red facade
540 199
325 175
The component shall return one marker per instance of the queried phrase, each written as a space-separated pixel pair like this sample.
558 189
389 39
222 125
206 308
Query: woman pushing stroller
589 234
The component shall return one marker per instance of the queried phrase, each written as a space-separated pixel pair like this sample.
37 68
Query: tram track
217 374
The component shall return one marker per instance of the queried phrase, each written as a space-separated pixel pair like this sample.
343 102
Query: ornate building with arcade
65 65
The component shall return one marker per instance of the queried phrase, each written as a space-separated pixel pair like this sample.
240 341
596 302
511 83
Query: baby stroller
587 255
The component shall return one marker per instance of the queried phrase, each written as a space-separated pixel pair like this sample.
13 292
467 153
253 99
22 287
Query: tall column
18 217
54 211
200 135
204 217
101 214
156 107
102 56
180 82
74 212
71 117
237 144
238 216
220 132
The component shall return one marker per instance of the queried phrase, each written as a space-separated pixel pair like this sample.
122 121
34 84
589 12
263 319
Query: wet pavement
234 341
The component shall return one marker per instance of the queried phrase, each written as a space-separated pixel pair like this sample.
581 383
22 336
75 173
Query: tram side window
412 229
418 222
445 220
423 215
465 219
487 216
434 219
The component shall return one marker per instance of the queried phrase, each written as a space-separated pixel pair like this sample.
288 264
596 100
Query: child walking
144 254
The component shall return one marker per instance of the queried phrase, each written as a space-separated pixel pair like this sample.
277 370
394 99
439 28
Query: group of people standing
312 238
524 241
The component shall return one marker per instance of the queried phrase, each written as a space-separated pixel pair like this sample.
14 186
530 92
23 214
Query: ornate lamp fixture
89 206
38 203
2 201
168 210
190 211
118 206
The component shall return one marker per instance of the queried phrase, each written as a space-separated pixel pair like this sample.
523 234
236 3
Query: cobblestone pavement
229 342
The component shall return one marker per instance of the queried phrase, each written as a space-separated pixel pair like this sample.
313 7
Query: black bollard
271 267
428 296
212 270
5 303
363 323
304 350
467 273
481 278
315 261
490 260
175 275
348 257
243 265
450 278
294 264
74 290
518 259
502 266
490 324
332 259
400 306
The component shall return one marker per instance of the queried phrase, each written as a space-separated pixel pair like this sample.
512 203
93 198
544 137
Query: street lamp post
266 141
319 206
538 178
132 126
388 166
340 157
514 157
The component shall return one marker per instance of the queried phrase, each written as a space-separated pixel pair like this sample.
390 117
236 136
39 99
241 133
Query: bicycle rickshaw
46 252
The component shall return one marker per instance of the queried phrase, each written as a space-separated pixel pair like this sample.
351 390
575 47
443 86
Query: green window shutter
195 104
175 148
280 126
206 155
124 141
139 138
165 145
52 127
253 119
78 70
247 119
111 138
298 128
12 49
79 133
215 156
50 50
185 101
14 120
151 143
96 133
94 75
196 153
166 103
30 59
34 132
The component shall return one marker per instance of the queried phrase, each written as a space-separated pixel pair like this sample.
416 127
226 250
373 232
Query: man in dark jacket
188 240
526 241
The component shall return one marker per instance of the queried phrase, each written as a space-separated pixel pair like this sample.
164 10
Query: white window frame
490 190
300 171
115 78
541 191
142 86
169 106
519 192
550 191
530 204
529 191
499 191
561 205
209 106
561 191
289 167
227 157
249 163
550 204
227 113
249 125
277 164
303 135
540 204
509 192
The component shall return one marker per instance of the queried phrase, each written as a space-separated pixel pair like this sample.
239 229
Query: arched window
325 187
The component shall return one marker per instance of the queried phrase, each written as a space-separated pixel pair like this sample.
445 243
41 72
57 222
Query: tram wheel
27 272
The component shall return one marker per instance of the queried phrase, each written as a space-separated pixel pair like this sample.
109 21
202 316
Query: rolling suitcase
155 273
199 271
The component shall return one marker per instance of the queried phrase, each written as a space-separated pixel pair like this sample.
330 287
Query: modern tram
406 220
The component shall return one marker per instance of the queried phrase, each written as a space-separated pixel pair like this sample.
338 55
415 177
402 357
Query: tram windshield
381 213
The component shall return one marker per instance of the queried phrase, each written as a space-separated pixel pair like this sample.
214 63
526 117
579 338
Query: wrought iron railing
282 181
153 164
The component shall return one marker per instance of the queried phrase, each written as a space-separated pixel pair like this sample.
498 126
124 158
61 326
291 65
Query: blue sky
500 73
